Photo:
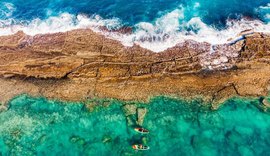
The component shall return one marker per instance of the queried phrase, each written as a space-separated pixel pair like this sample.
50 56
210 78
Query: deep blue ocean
212 12
213 21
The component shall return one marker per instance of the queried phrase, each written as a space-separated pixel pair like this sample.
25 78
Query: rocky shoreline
80 64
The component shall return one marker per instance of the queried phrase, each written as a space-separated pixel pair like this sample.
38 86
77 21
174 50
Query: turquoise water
36 126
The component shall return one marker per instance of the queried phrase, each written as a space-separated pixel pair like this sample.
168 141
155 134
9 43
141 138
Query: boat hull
140 147
142 131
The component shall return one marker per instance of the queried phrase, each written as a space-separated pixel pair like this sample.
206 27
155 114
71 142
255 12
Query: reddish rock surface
81 64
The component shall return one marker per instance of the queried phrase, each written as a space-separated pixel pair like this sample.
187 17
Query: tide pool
37 126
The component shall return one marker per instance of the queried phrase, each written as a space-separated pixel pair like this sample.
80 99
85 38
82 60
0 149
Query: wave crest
171 29
165 32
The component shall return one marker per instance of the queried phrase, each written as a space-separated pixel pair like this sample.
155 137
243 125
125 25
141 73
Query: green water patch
37 126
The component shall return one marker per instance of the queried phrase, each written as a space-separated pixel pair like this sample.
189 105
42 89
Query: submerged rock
222 95
129 109
266 102
141 112
3 108
131 120
264 105
77 140
42 138
106 139
90 107
144 140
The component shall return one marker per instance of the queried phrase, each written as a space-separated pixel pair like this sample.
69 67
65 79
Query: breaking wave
166 31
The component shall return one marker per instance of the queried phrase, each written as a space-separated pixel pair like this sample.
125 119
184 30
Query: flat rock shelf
81 64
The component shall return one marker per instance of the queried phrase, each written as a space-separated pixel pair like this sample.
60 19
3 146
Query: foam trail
266 12
171 29
62 23
165 32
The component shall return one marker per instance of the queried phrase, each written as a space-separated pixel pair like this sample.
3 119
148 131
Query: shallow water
36 126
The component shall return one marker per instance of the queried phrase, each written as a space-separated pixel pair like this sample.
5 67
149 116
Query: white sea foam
265 10
171 29
265 7
6 9
267 16
61 23
167 31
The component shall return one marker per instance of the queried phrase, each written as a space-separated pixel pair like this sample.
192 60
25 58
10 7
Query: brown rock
266 103
47 68
223 94
129 109
81 64
3 108
141 112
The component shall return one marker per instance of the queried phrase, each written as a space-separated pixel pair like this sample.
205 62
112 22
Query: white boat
140 147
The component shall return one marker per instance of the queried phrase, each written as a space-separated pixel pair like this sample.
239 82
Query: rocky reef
82 64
